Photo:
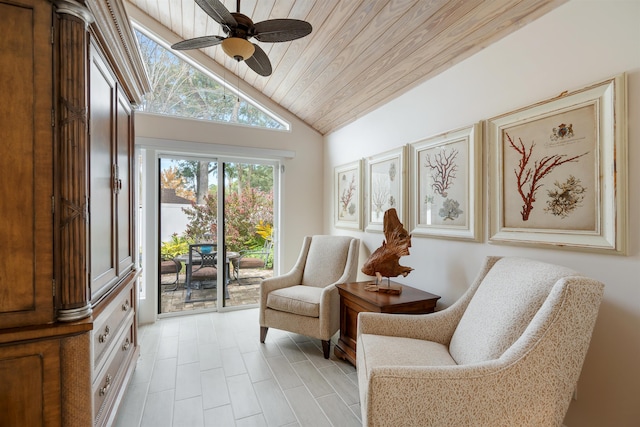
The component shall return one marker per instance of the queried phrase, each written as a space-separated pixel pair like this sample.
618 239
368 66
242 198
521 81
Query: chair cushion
507 299
382 350
300 299
167 267
326 260
204 272
251 263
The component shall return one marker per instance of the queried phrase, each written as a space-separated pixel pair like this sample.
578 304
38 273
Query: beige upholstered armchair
508 353
306 300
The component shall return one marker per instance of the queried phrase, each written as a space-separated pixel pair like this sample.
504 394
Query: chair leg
326 345
263 333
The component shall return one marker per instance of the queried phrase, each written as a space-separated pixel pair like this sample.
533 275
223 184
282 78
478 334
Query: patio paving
244 293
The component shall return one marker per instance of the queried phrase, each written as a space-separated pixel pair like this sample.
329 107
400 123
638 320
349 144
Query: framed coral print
559 171
385 187
446 185
348 196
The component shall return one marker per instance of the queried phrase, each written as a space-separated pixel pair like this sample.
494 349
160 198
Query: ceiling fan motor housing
236 45
243 30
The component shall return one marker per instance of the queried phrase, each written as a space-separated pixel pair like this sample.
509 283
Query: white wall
174 220
579 43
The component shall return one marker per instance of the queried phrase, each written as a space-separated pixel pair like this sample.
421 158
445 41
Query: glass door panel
248 232
188 217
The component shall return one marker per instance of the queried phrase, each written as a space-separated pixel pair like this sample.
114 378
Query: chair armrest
445 395
271 284
329 297
279 282
329 311
437 327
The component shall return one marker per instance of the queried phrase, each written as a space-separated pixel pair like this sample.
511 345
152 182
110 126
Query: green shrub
174 247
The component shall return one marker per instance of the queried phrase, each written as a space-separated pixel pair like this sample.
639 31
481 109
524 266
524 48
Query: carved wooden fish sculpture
386 259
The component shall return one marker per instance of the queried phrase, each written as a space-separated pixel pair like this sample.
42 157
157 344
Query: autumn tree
245 216
171 178
529 176
195 176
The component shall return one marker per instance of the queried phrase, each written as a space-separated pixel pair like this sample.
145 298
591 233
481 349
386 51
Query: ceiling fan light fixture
239 29
238 48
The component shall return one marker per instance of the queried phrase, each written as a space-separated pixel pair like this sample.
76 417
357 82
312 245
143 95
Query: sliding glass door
197 195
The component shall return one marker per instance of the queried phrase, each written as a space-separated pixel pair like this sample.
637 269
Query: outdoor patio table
185 259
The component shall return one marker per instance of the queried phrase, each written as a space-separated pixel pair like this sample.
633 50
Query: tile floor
211 370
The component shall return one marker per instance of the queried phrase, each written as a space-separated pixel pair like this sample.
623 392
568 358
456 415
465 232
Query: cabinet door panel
26 167
30 384
125 200
102 214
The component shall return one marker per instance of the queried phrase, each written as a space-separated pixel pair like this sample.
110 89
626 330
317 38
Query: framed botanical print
348 195
559 171
446 183
385 187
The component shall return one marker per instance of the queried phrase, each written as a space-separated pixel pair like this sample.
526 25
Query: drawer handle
126 345
107 384
126 306
105 336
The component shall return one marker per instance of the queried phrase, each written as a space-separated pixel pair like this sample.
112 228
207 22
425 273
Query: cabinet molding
71 207
116 37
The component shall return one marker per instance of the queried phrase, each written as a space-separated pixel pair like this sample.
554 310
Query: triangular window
182 89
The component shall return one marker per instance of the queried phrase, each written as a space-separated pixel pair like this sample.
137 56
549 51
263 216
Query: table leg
187 285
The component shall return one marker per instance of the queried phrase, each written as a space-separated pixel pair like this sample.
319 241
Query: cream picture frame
446 185
385 187
559 171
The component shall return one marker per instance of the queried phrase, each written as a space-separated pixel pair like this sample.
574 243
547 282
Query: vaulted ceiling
361 53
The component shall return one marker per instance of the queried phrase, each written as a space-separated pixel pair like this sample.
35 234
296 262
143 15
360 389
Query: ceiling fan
239 29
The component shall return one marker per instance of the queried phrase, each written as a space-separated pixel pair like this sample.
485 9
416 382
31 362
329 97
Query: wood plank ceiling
361 53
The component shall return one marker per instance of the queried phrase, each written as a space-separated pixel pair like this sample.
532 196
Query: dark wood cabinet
102 214
111 142
354 299
125 204
26 135
69 73
110 186
39 367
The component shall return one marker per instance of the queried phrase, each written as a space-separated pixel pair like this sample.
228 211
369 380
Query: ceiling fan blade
259 62
197 43
281 30
218 12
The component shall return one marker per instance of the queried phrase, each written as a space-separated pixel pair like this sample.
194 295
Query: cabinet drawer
108 381
108 323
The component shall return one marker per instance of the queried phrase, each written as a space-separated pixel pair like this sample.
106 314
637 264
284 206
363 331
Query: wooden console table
354 299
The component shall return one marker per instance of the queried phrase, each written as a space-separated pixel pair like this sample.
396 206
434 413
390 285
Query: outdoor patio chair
201 267
170 266
251 259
